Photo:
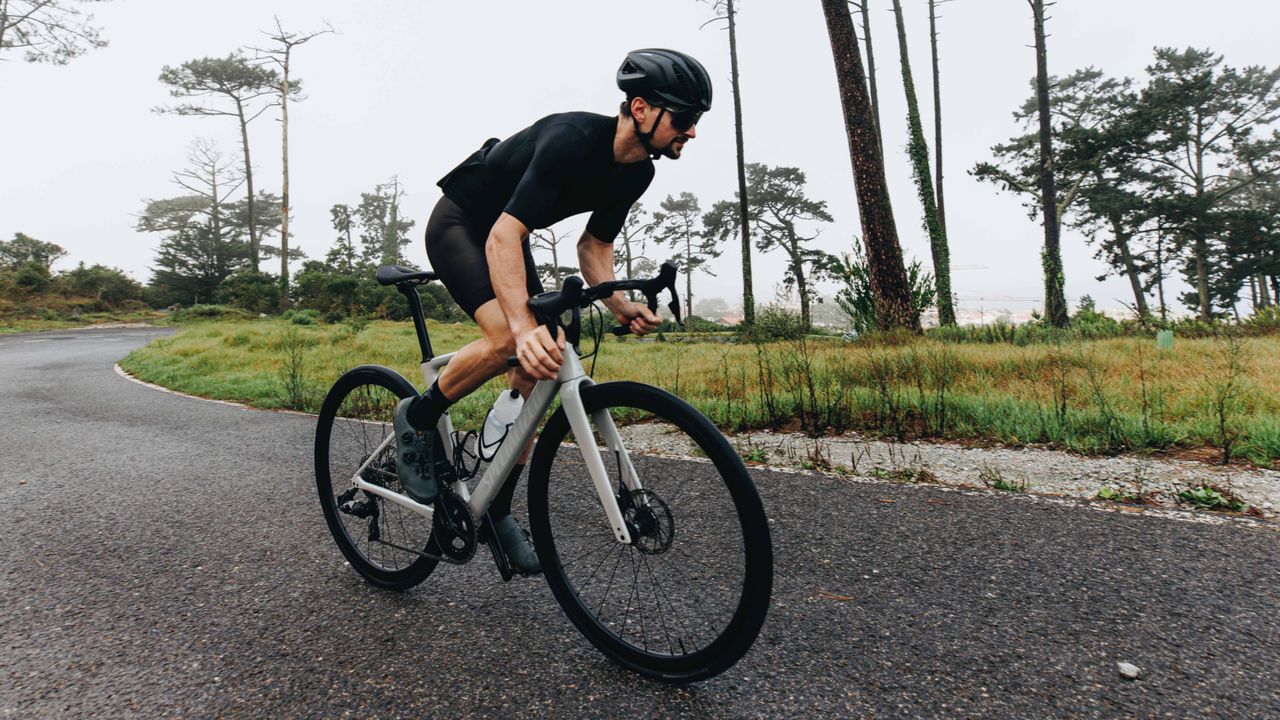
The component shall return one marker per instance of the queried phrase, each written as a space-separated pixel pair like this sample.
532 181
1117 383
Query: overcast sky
410 88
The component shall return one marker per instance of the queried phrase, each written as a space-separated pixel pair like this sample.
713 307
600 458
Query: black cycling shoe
420 458
518 547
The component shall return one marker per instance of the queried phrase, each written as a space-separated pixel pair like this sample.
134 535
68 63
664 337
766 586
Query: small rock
1128 671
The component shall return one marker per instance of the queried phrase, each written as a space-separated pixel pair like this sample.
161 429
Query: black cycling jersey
560 166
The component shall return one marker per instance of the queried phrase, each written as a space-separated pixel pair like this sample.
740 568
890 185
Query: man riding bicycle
478 244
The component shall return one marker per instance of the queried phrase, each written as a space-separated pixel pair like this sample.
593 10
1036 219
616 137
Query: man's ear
639 109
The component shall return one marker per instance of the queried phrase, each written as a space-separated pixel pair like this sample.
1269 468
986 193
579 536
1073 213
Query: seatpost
419 321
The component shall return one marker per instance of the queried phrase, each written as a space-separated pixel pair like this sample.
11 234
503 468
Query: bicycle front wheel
382 540
687 597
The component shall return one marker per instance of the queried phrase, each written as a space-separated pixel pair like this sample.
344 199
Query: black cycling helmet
667 78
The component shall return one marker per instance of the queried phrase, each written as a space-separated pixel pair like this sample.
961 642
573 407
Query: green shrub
304 317
209 312
774 322
256 292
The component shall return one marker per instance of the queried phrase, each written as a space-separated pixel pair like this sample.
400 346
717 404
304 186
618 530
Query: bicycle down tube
568 384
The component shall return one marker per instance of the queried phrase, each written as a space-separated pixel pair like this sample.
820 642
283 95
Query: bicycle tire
724 501
354 420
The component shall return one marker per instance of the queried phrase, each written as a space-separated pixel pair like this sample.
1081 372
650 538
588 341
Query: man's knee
521 380
500 347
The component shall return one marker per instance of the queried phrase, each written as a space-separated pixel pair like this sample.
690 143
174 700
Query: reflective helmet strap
645 138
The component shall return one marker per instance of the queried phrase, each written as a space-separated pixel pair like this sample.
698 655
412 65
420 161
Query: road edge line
125 374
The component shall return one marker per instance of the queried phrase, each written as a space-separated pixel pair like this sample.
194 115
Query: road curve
166 556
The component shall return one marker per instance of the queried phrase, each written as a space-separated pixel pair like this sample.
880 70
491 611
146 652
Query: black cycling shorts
455 248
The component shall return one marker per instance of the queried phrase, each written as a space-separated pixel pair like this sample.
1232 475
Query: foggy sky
410 88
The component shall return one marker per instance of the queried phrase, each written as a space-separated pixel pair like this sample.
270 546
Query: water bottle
498 423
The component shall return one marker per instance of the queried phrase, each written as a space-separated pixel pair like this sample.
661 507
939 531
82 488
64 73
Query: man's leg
480 360
472 366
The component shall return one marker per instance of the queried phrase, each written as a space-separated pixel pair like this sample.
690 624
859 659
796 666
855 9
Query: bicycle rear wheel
381 540
687 598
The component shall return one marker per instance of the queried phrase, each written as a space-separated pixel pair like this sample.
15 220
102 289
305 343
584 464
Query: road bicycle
647 525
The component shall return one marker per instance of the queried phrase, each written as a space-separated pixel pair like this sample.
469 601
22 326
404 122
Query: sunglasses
682 120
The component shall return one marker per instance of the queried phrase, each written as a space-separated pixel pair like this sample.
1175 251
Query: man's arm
537 351
596 260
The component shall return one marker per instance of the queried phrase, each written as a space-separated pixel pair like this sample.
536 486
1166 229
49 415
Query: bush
304 317
209 312
32 276
109 285
256 292
333 294
774 322
696 324
855 298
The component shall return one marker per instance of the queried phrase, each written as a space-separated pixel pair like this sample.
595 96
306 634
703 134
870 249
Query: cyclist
478 244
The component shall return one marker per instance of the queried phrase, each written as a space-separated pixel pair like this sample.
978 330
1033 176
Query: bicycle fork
575 411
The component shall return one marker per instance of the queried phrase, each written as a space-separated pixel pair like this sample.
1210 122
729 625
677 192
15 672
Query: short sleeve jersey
562 165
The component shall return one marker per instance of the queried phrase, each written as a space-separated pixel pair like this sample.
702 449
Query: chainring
453 535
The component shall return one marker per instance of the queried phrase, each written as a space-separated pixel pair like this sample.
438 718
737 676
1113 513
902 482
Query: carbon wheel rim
362 422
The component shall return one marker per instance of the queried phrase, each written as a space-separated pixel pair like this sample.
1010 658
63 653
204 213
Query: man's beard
671 151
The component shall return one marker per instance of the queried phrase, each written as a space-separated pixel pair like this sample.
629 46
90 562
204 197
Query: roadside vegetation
33 297
1216 397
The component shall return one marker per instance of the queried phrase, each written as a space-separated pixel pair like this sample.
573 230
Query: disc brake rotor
649 521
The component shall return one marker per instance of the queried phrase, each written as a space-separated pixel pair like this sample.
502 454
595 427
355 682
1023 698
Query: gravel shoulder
1035 470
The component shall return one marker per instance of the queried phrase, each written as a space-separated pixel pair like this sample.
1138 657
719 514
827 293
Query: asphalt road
166 556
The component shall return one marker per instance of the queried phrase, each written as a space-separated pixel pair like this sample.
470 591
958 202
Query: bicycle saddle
393 274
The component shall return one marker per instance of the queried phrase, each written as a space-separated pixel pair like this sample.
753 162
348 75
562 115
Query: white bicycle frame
568 385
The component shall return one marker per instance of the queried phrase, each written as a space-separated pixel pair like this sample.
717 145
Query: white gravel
1049 472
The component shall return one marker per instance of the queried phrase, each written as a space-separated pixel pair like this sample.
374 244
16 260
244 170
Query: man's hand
539 355
638 317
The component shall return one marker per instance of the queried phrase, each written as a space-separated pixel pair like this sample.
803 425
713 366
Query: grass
62 321
1100 396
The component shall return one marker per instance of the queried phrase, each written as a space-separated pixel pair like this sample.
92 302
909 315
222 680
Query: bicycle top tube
547 307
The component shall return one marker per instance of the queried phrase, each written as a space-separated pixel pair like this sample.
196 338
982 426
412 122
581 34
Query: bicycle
691 593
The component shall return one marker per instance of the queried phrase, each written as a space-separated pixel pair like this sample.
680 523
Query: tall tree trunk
890 292
284 191
1253 294
871 70
1264 292
1055 301
555 258
626 248
748 294
1201 243
688 275
1164 309
1130 269
215 208
248 179
4 19
391 237
919 151
1202 276
802 286
937 113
